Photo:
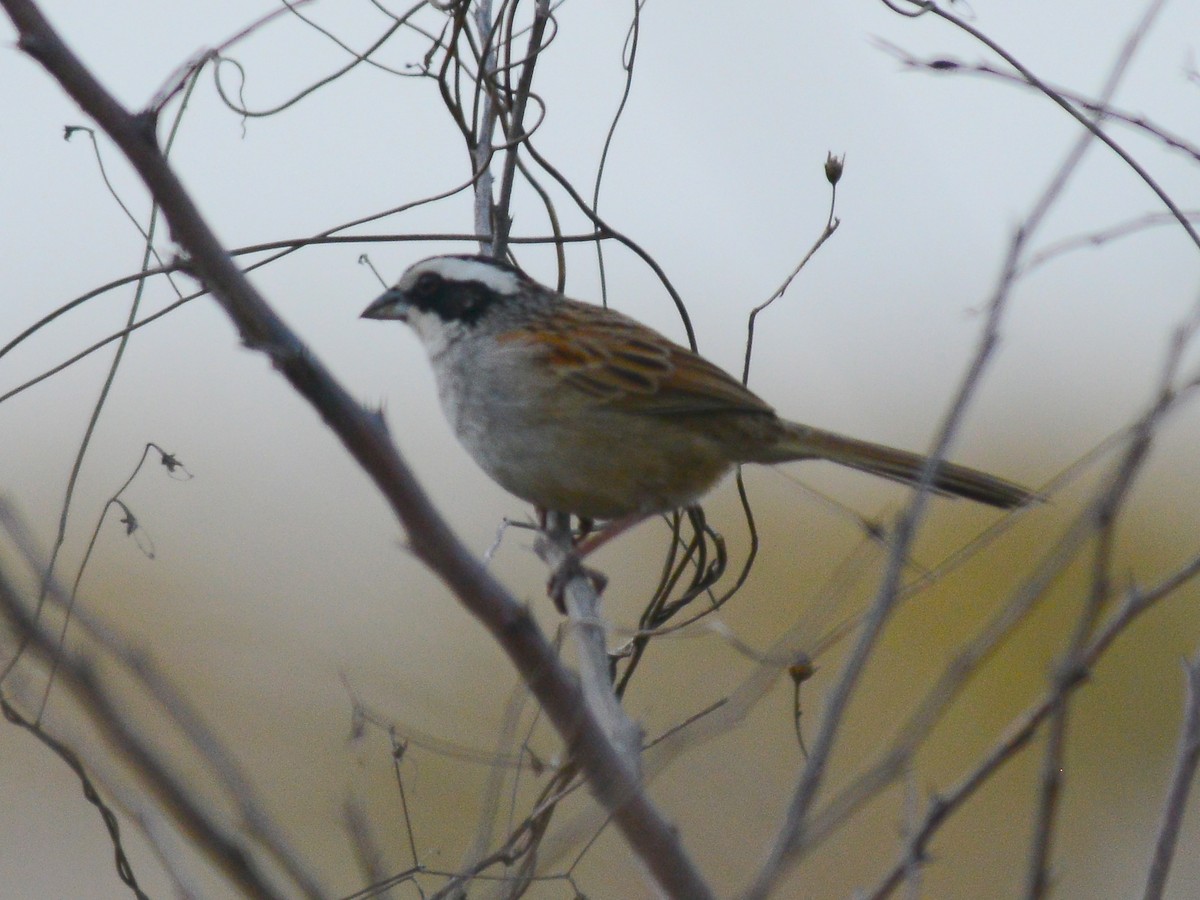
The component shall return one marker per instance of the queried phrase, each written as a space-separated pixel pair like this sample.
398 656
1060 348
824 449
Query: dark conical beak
391 304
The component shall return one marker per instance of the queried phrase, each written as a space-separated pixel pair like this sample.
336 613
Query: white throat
436 335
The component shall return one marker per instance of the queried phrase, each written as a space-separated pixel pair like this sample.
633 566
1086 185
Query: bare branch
1187 757
178 710
1025 726
515 134
78 674
792 834
582 600
648 834
1065 104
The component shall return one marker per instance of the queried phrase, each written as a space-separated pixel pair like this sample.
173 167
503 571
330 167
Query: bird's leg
556 527
591 542
588 540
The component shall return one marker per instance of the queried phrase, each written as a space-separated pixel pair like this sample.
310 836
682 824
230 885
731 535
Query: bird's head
444 296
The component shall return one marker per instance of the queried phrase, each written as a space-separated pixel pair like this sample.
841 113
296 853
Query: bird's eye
427 283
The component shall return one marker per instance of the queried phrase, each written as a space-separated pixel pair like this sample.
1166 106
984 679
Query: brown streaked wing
707 387
618 360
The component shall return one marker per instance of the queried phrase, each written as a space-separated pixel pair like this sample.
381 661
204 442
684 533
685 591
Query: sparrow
581 410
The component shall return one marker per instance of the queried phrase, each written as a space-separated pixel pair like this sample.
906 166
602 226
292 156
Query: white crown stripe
463 270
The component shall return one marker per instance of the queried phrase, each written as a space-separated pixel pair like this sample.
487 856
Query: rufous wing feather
619 361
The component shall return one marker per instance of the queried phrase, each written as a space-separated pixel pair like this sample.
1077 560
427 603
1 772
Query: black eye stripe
452 301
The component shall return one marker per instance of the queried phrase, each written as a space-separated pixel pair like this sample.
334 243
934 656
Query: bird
581 410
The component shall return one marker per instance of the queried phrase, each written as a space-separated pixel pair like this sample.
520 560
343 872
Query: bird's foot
570 569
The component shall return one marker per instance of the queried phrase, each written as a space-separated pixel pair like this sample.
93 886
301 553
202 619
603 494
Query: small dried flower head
833 167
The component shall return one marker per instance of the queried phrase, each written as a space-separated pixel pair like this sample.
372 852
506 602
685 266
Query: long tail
806 442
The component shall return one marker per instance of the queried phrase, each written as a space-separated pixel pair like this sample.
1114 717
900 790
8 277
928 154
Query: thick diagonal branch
365 437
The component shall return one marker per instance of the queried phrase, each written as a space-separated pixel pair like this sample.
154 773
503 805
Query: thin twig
1187 757
176 708
366 848
605 228
171 462
148 253
502 221
1102 236
485 218
71 758
1025 726
358 59
1070 109
831 225
791 837
77 673
628 61
943 65
288 245
1052 773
